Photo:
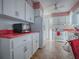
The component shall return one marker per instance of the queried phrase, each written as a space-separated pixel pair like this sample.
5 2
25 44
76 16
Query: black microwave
21 27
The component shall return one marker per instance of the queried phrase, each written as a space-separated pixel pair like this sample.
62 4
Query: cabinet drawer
18 41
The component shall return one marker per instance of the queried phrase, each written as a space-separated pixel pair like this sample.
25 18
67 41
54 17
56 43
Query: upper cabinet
13 8
32 15
20 9
0 6
29 13
9 8
37 12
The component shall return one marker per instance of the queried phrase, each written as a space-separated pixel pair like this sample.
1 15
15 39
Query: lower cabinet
18 53
19 48
28 45
35 42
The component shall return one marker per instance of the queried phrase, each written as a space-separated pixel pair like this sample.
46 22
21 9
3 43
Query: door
19 52
0 6
20 9
9 8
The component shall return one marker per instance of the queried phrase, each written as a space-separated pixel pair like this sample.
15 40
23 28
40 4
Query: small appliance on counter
21 27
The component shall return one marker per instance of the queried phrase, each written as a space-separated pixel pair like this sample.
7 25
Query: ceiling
63 5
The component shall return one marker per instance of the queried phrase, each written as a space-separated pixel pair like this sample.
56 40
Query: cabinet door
32 15
0 6
34 46
28 53
34 43
9 8
19 52
29 46
37 40
27 12
20 9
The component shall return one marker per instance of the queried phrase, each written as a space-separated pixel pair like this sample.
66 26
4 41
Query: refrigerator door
37 27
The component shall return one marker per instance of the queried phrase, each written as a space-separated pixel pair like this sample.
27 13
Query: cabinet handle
24 40
25 49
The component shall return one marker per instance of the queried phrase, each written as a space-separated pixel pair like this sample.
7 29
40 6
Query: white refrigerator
37 26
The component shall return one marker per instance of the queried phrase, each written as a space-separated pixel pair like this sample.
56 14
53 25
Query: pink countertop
10 34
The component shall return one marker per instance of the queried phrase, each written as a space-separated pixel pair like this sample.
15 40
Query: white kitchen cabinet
12 48
9 8
20 9
32 15
29 13
35 42
0 6
22 47
34 45
37 12
28 46
18 52
13 8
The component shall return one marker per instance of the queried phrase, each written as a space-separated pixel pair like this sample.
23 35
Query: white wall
45 28
7 23
50 28
74 17
61 20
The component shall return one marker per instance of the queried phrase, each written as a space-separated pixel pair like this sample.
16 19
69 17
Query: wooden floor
52 50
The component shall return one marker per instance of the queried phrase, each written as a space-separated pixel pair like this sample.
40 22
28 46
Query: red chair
75 47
